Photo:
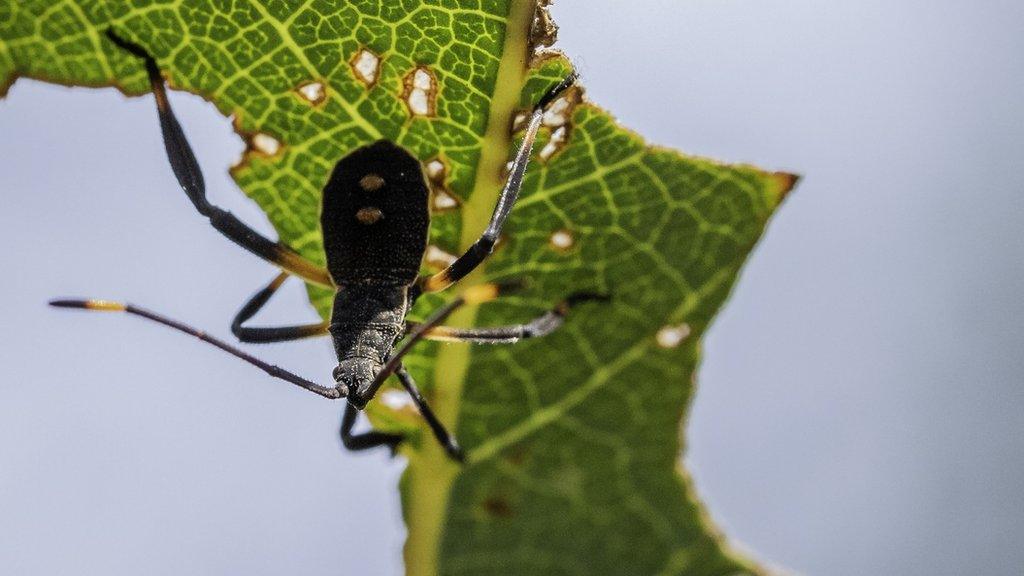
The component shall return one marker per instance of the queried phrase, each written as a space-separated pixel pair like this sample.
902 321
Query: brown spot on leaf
516 456
498 507
543 30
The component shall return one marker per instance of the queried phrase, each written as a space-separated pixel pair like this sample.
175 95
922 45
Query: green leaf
573 439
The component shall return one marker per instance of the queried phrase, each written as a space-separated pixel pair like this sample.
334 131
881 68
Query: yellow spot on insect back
369 215
371 182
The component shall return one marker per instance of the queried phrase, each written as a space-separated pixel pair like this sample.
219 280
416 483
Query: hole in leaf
420 93
443 201
519 121
366 66
437 258
312 92
265 144
554 144
436 171
557 113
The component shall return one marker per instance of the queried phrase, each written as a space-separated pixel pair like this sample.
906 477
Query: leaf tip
784 182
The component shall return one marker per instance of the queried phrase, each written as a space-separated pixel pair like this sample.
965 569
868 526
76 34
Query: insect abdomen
375 217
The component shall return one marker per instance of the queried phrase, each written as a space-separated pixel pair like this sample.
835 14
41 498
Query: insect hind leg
190 177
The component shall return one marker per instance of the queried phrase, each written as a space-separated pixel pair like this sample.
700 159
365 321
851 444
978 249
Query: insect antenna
275 371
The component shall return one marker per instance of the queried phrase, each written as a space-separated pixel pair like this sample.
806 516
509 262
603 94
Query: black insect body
375 219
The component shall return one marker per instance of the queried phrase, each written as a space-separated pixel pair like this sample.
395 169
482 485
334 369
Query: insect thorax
366 321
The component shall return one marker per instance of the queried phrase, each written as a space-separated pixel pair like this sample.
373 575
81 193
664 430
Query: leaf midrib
431 474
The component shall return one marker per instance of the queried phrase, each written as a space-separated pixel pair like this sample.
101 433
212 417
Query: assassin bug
374 219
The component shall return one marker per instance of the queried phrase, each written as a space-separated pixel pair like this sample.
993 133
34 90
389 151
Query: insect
375 219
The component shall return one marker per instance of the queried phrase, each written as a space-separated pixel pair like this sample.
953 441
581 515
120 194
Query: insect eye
369 215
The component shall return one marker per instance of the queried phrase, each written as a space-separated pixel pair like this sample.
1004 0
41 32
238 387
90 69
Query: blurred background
861 408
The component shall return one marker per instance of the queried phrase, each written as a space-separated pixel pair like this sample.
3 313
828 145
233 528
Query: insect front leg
366 440
482 248
373 438
447 441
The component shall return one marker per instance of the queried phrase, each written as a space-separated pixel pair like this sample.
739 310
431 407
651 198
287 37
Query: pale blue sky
861 408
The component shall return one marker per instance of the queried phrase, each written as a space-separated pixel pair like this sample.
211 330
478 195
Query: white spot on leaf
556 114
562 240
366 66
265 144
438 258
313 92
422 80
554 144
435 170
444 201
397 400
673 336
418 103
519 121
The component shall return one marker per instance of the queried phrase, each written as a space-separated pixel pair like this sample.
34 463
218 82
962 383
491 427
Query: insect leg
275 371
482 248
262 335
539 326
186 170
440 432
366 440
